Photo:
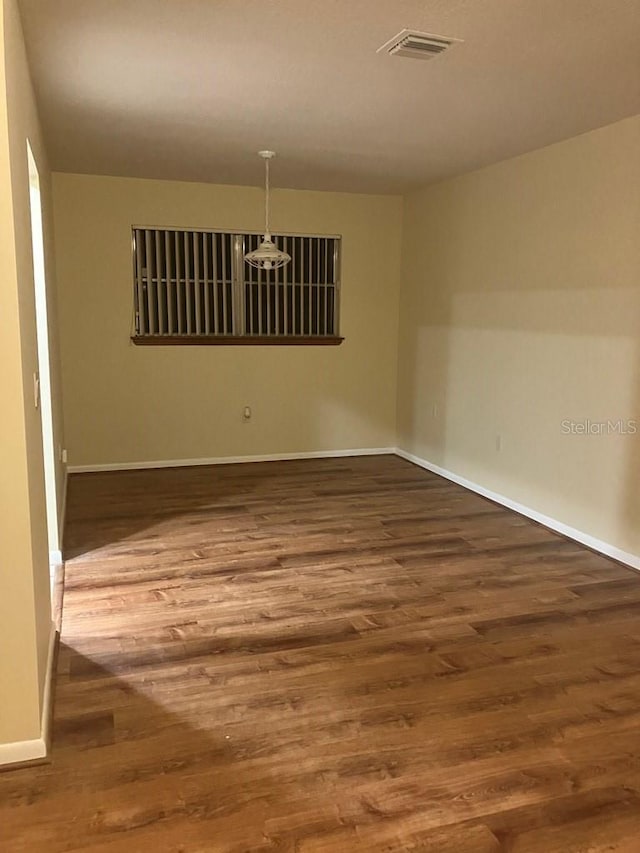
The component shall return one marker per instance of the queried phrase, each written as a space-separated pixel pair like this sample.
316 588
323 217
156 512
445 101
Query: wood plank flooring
331 656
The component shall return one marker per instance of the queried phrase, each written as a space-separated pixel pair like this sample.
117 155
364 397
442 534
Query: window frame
238 296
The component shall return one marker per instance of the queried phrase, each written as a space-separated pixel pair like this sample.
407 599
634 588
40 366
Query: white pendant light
267 256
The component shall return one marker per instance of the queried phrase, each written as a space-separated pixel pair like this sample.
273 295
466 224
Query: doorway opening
43 379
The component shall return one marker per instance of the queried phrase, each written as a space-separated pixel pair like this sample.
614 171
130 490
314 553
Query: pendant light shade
267 256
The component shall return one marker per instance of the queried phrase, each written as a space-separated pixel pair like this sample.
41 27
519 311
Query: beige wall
25 614
133 404
520 308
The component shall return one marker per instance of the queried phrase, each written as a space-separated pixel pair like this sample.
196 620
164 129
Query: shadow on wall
528 386
630 515
422 410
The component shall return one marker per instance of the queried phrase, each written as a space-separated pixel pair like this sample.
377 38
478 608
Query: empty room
320 439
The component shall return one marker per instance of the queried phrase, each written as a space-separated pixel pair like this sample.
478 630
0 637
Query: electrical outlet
64 456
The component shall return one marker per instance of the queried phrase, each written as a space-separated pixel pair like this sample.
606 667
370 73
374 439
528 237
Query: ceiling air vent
417 45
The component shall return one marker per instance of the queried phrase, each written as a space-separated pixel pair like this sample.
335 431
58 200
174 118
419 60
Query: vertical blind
196 283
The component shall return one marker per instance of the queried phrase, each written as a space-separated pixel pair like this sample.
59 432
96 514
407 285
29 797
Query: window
193 287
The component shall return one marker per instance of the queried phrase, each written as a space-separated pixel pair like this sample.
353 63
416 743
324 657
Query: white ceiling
191 89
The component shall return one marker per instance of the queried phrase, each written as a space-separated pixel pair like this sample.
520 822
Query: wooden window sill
236 340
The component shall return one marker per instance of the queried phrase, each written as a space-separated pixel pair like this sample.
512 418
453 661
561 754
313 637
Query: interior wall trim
62 517
55 560
604 548
230 460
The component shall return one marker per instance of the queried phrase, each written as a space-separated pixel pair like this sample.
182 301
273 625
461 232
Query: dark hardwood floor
330 656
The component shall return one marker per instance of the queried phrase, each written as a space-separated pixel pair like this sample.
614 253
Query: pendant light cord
266 195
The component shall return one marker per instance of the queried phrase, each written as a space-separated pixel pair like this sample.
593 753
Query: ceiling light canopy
267 256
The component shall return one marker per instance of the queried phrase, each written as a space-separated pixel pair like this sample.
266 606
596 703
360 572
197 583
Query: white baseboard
47 693
37 749
229 460
605 548
22 751
56 558
63 511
